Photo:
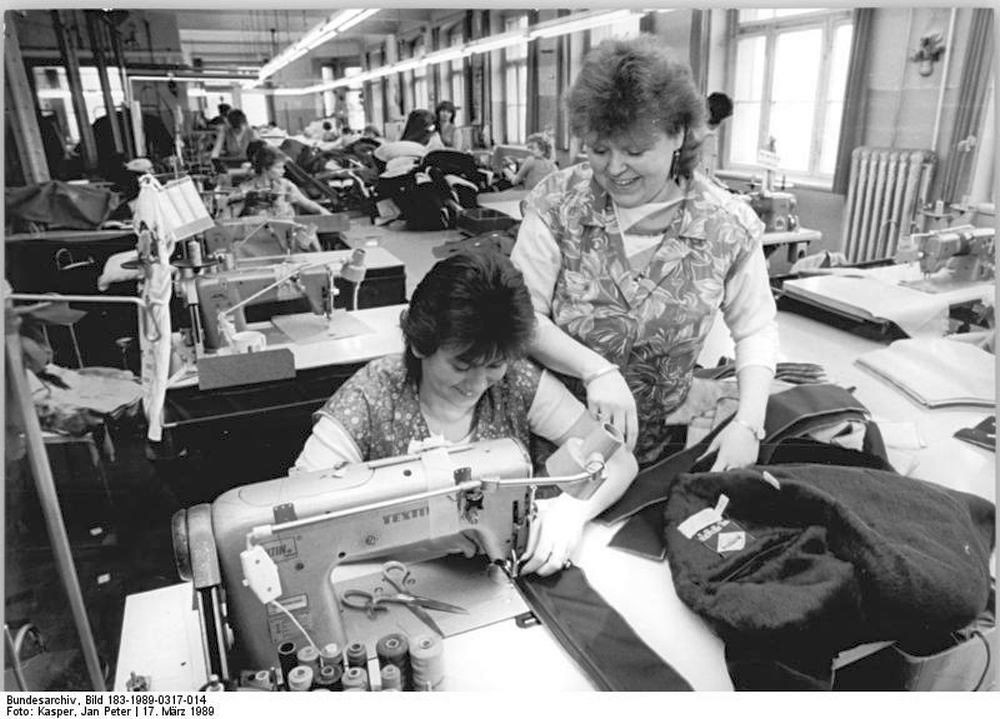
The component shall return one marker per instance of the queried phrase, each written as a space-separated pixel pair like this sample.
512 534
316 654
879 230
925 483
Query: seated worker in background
233 137
445 112
463 377
537 165
419 137
269 193
220 119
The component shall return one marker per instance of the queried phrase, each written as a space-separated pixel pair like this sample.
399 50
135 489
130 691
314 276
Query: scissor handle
359 599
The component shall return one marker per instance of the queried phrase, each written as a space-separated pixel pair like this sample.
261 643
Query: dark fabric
453 162
59 205
982 435
789 413
837 557
596 636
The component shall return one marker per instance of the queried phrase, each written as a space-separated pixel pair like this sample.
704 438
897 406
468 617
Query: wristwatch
757 432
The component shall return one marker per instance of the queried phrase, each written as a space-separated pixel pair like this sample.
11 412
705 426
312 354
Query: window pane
747 93
839 60
793 95
752 15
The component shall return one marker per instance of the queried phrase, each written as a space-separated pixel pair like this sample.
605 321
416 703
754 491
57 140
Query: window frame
828 20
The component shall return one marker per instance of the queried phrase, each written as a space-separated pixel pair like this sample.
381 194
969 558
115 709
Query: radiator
887 189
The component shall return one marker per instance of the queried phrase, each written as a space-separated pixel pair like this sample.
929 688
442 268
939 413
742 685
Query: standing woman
628 257
233 137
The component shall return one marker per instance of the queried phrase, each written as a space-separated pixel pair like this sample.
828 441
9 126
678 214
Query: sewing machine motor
280 540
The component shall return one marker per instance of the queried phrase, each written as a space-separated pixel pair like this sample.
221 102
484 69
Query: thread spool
308 656
300 678
392 678
357 655
332 656
286 658
194 252
394 650
329 678
427 662
355 678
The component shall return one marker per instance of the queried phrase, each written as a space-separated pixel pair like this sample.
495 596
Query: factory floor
133 502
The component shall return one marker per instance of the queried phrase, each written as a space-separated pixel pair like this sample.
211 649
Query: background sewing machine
966 251
266 552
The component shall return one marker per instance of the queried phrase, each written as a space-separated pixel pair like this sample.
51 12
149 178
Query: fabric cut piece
595 635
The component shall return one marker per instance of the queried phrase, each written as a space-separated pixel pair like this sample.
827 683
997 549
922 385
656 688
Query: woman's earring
675 164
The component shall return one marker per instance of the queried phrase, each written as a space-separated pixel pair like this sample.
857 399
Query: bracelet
599 373
757 432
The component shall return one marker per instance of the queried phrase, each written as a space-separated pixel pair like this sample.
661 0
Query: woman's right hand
610 400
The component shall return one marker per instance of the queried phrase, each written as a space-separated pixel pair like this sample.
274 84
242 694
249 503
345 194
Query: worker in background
220 119
536 166
419 137
630 255
270 193
463 377
445 113
719 108
233 138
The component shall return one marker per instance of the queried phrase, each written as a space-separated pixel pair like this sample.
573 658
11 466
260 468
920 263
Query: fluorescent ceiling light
496 42
334 25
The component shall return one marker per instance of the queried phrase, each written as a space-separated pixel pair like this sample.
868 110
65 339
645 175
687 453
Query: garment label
725 537
705 517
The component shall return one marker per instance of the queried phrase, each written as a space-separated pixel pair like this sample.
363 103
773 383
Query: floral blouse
379 408
650 321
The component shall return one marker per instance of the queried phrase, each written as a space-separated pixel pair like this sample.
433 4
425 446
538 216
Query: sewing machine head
281 540
777 210
966 250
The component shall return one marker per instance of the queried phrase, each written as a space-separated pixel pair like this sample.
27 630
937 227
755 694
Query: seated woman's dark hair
236 119
264 157
447 106
625 82
720 106
419 126
475 302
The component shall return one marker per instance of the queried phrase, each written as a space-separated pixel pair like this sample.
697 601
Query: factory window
789 74
620 29
515 82
355 100
53 93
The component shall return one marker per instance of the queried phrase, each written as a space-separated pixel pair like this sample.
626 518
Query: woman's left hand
737 447
554 534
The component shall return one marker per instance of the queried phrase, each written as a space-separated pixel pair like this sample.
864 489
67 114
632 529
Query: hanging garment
598 639
837 556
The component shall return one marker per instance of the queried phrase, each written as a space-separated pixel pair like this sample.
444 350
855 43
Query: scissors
375 601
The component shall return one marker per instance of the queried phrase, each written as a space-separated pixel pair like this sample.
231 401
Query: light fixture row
553 28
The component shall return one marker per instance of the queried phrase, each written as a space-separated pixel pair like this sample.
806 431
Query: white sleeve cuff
554 410
327 446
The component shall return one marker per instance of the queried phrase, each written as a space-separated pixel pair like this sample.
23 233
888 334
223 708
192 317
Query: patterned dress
380 409
650 321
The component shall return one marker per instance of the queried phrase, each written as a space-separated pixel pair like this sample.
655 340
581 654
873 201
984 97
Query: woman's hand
554 534
737 447
610 400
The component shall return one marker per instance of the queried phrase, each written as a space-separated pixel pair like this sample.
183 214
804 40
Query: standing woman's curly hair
625 82
475 302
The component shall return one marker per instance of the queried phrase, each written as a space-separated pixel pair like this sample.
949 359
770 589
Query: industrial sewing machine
967 251
281 540
227 292
777 210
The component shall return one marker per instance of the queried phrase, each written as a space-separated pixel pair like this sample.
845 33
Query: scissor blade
425 618
440 606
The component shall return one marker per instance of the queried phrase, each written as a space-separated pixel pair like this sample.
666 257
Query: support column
393 107
93 32
72 63
129 136
21 111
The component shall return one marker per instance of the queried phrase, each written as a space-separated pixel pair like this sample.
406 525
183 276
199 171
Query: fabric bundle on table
936 372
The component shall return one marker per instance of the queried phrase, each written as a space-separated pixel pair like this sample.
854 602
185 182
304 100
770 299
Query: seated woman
463 377
536 166
269 193
233 137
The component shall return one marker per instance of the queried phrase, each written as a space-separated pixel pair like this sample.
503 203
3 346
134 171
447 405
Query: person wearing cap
445 112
